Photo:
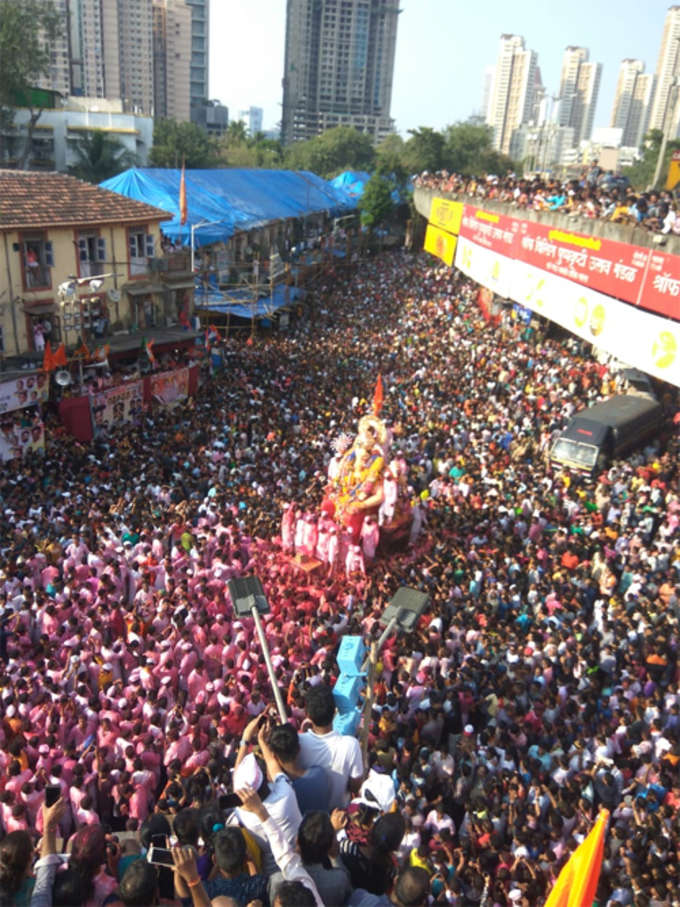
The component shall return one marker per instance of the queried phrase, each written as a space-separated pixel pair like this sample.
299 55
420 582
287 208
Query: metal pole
270 667
664 136
11 298
386 633
664 139
368 704
192 248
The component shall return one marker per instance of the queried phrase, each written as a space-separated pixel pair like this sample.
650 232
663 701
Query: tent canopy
223 202
353 183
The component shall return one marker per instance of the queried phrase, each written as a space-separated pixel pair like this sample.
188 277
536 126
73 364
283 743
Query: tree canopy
27 27
461 148
174 143
99 156
376 203
338 149
641 173
238 149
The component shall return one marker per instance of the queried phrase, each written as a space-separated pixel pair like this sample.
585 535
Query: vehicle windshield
566 451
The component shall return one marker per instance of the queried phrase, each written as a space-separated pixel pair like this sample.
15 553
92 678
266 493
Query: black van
605 431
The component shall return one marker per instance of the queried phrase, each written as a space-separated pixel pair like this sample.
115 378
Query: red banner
489 229
610 267
662 286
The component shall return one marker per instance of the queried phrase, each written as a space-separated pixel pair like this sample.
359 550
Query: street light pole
664 132
194 227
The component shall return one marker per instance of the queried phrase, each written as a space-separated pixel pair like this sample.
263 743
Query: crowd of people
595 194
540 685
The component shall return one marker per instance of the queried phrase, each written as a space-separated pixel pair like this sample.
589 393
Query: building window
141 245
37 259
91 254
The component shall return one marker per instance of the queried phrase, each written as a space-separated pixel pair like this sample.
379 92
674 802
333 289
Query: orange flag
82 352
577 883
48 359
59 357
378 396
182 198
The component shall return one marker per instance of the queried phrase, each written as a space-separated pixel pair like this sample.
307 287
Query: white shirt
339 754
282 806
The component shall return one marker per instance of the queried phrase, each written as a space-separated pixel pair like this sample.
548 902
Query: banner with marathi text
643 277
640 338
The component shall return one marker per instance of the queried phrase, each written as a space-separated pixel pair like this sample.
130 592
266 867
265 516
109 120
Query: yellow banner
446 214
673 177
440 243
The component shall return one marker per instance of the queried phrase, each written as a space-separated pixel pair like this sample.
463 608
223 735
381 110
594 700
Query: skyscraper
171 59
511 101
632 102
135 55
252 117
579 88
152 54
85 37
338 67
200 54
667 67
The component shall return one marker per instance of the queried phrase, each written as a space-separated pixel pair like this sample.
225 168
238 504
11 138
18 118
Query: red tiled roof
29 199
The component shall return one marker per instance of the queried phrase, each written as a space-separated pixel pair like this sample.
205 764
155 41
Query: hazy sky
442 49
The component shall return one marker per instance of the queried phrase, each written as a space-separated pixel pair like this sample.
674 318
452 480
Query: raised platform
307 564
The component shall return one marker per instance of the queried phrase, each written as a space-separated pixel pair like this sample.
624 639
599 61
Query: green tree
376 203
424 150
468 149
338 149
175 142
100 156
236 133
237 149
389 159
27 28
641 173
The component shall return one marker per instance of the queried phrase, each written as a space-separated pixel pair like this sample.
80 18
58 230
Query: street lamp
666 124
194 227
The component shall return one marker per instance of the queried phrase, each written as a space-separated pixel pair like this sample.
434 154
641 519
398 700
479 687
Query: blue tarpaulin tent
228 201
353 182
243 302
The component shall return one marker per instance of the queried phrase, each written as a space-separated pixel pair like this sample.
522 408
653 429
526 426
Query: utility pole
667 120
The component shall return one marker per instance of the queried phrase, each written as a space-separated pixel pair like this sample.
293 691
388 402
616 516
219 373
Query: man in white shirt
338 753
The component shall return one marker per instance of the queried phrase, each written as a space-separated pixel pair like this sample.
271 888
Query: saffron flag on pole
182 197
59 357
149 351
576 885
48 358
378 396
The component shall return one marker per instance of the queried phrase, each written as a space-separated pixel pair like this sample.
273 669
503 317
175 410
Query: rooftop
33 199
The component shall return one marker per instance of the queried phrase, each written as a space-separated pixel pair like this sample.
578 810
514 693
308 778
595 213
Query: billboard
446 214
440 243
24 392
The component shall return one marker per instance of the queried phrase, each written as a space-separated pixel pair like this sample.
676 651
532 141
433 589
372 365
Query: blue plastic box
347 723
346 692
351 655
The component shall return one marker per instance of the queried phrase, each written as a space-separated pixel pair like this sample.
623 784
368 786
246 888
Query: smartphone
159 841
160 856
52 794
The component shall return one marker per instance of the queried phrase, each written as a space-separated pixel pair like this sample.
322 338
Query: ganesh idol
355 488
